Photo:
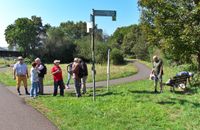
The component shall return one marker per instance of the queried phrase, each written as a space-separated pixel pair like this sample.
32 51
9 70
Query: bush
117 57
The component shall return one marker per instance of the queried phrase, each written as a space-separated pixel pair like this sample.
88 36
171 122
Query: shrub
117 57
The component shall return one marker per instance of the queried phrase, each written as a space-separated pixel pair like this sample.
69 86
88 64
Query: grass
6 62
129 106
6 77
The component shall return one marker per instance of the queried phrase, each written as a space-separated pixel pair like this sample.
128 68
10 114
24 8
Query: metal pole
108 70
93 55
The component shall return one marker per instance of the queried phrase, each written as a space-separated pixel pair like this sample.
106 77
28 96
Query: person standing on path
158 72
69 73
58 78
34 79
77 80
85 74
42 68
20 74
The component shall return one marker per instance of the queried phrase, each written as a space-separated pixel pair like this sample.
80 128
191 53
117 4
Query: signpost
108 70
109 13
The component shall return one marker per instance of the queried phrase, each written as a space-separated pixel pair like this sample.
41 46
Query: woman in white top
34 80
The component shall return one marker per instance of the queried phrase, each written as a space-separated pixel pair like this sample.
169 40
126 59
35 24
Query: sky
54 12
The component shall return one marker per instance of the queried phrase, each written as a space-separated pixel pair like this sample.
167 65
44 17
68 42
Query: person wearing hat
56 71
77 79
20 74
158 72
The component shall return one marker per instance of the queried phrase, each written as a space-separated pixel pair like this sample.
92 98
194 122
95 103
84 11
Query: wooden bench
177 80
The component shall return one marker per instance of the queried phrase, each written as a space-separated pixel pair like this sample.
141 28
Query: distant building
4 52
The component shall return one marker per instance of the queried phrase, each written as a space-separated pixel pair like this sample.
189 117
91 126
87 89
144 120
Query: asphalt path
15 114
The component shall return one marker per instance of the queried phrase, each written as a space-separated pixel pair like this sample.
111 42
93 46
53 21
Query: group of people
157 74
77 69
37 72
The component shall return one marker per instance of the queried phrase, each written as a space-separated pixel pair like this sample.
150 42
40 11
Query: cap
56 61
20 58
191 74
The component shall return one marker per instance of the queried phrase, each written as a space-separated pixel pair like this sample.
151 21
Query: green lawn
6 77
131 106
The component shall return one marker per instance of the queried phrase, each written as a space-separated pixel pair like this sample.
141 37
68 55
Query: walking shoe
19 94
67 86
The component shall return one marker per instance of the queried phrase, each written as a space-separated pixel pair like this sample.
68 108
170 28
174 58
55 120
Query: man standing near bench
158 72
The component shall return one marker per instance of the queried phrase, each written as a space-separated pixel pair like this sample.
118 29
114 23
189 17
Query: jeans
68 79
34 87
77 83
61 85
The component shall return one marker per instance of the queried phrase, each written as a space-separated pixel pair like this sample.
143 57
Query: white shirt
40 67
20 69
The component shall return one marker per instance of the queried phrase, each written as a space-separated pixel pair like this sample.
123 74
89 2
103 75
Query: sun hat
56 61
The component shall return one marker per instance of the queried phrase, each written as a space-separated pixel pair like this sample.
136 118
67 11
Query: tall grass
6 77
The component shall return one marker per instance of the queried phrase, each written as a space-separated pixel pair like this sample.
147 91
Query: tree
57 46
23 34
174 26
116 56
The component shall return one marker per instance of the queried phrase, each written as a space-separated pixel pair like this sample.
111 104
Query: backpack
69 68
44 70
81 71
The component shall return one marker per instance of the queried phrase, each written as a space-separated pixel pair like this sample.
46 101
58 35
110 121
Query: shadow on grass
166 102
104 94
46 94
179 101
143 92
188 91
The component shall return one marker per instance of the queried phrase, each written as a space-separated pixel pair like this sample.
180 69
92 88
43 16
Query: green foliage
117 57
73 30
57 46
132 41
173 26
25 35
83 49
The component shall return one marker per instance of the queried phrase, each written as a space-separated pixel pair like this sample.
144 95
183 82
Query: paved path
143 73
15 114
